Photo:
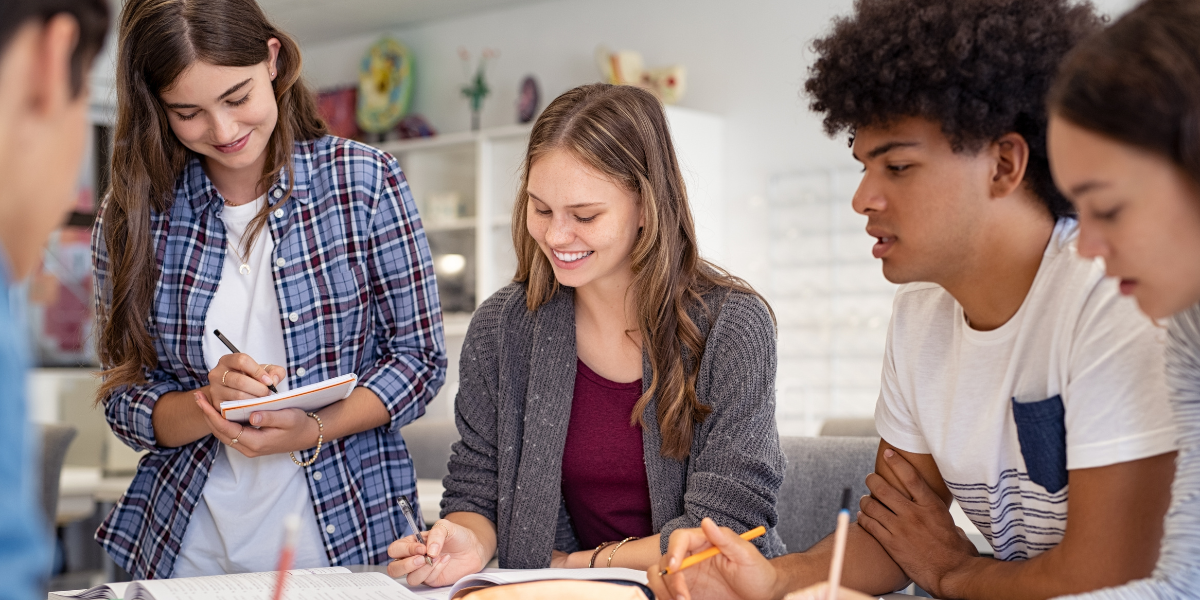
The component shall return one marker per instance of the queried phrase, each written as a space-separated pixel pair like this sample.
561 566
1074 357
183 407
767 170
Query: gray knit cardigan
516 383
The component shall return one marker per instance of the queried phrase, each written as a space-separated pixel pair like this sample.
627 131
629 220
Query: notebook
307 398
331 583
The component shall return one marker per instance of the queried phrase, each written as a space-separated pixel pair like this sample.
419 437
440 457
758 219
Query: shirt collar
202 194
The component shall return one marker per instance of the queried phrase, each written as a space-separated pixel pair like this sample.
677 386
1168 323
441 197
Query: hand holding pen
448 553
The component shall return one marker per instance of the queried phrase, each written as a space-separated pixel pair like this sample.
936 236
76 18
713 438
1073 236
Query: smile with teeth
884 240
571 256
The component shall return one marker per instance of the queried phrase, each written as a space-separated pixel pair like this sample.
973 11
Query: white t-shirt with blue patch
1074 380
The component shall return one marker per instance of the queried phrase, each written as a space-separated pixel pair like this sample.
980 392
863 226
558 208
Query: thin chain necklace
245 268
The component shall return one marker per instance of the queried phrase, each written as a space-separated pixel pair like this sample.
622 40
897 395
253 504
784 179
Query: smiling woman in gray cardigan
560 464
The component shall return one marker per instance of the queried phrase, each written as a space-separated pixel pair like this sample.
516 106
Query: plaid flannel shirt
356 291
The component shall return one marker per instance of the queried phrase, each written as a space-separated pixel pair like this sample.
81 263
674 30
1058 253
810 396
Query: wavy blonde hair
622 132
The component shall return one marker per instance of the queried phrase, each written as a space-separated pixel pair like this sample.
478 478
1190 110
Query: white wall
746 62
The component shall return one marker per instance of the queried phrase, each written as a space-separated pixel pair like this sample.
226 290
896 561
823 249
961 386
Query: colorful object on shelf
415 126
527 102
627 68
339 108
60 301
385 82
477 88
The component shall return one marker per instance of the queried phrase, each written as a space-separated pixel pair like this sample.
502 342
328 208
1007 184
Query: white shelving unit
464 185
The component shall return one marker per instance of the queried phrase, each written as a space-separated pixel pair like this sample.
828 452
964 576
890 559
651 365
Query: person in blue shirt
46 49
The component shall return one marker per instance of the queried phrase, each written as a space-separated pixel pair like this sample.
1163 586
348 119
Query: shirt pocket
342 297
1042 432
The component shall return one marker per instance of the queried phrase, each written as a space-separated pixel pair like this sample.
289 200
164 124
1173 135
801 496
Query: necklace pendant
244 269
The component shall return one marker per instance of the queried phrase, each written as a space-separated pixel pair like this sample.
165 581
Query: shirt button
278 193
293 317
300 372
330 529
317 475
279 262
279 213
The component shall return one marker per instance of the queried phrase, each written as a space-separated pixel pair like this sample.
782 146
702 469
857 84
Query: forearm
867 568
483 528
360 411
1048 575
177 420
634 554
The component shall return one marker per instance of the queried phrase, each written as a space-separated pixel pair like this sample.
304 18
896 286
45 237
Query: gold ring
223 377
235 438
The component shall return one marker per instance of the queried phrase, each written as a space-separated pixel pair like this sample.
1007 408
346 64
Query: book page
300 585
498 576
110 590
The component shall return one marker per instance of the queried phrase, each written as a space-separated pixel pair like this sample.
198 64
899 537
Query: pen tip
845 498
662 573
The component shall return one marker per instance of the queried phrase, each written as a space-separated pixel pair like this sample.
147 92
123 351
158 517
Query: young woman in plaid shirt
232 209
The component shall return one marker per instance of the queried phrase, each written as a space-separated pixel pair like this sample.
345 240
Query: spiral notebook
307 398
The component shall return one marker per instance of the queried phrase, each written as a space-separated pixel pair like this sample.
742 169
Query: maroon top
603 473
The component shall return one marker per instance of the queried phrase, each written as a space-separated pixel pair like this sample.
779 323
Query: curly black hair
981 68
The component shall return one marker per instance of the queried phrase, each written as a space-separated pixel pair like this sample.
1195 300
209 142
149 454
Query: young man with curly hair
1014 371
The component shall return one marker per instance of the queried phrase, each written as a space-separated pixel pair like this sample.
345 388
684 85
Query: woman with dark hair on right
1125 149
621 387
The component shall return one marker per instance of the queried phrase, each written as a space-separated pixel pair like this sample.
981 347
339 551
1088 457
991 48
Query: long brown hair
158 40
621 131
1138 82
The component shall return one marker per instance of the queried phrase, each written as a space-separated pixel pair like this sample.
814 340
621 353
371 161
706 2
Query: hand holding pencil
735 569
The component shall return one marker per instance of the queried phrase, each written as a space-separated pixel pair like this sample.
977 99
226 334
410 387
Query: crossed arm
905 531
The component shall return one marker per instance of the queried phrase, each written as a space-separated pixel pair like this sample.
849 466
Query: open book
307 398
332 583
491 577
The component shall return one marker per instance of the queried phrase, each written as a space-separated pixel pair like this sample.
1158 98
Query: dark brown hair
1138 82
621 131
92 16
158 40
979 68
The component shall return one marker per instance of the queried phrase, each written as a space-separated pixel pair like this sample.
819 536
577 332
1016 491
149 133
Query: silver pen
406 508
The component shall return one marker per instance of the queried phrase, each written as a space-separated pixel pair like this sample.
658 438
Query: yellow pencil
711 552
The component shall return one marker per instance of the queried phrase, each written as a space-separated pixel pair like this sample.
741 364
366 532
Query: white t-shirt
237 526
1076 345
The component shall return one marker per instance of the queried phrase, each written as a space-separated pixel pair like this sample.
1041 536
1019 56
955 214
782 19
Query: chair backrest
56 438
819 468
428 443
849 427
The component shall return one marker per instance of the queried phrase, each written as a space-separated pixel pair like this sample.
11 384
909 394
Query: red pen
287 553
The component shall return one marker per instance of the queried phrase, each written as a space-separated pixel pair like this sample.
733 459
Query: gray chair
56 438
849 427
819 468
429 444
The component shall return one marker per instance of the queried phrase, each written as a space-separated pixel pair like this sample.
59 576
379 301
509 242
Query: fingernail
418 561
888 453
674 564
444 559
859 515
434 549
266 380
255 419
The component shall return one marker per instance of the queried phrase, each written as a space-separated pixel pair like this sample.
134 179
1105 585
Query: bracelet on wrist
592 563
619 544
320 440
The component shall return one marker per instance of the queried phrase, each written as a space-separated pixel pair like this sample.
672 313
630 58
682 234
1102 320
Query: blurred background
450 87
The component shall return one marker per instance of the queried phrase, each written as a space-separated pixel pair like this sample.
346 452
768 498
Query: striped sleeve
1177 574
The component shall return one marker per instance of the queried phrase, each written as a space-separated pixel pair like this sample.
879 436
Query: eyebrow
227 93
1087 186
886 147
576 205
